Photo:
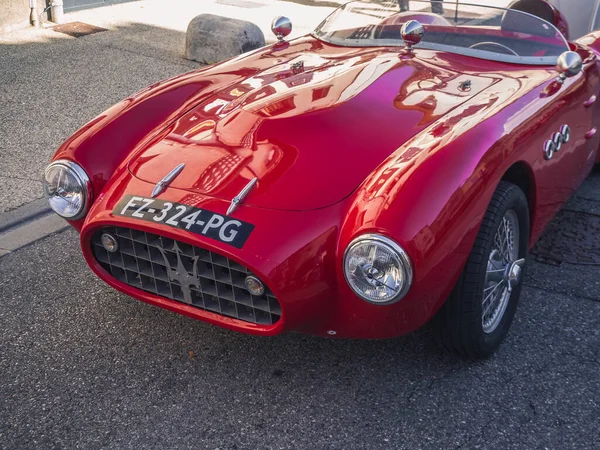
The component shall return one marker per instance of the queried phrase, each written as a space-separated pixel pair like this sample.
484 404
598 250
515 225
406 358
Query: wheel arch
521 175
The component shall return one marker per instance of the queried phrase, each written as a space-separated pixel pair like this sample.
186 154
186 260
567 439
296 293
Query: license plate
200 221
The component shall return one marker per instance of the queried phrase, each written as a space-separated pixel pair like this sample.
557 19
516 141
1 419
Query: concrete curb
32 231
22 214
210 38
28 224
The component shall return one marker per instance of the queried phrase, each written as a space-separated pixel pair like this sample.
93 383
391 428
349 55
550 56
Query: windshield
491 33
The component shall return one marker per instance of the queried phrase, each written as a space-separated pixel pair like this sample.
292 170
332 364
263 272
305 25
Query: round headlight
377 269
67 188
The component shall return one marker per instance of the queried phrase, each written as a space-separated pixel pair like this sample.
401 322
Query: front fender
432 202
105 143
431 195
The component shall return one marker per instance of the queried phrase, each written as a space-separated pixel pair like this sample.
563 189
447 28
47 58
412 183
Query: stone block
210 39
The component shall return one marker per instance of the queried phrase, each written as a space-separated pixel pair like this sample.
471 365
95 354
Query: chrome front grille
159 265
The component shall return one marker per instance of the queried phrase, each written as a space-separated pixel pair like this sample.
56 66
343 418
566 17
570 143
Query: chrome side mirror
568 65
281 27
412 32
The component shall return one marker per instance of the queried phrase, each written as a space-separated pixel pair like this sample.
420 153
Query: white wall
580 15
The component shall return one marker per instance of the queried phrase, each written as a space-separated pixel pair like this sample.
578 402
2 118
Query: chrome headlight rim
402 255
83 179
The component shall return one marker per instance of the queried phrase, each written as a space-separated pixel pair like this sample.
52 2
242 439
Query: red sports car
391 168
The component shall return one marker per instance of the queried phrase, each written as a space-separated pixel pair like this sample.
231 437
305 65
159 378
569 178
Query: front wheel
475 319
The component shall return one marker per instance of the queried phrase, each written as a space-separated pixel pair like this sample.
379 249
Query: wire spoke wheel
476 317
497 289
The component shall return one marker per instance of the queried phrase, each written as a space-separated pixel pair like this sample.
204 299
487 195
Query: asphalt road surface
82 366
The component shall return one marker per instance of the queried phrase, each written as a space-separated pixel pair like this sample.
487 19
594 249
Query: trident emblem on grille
181 275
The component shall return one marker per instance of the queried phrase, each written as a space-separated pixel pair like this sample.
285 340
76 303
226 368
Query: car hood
310 127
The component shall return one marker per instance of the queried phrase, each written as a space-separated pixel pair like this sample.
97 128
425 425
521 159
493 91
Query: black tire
459 322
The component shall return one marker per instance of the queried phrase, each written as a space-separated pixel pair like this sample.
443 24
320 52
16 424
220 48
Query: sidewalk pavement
51 84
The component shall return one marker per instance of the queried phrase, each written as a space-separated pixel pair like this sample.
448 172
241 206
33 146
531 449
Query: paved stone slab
579 204
590 190
572 237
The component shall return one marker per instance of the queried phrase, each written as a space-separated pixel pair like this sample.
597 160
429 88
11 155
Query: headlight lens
377 269
67 188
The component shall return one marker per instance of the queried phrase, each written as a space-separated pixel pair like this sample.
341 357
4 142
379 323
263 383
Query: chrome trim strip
549 149
164 183
557 138
238 199
480 54
565 130
83 178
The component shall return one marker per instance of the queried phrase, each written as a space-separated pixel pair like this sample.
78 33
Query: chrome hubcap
503 272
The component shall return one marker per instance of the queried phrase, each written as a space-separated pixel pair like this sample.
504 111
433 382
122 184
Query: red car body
361 140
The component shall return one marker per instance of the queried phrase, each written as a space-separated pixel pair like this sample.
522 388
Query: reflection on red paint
363 140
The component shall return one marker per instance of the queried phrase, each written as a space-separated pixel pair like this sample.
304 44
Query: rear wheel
475 319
